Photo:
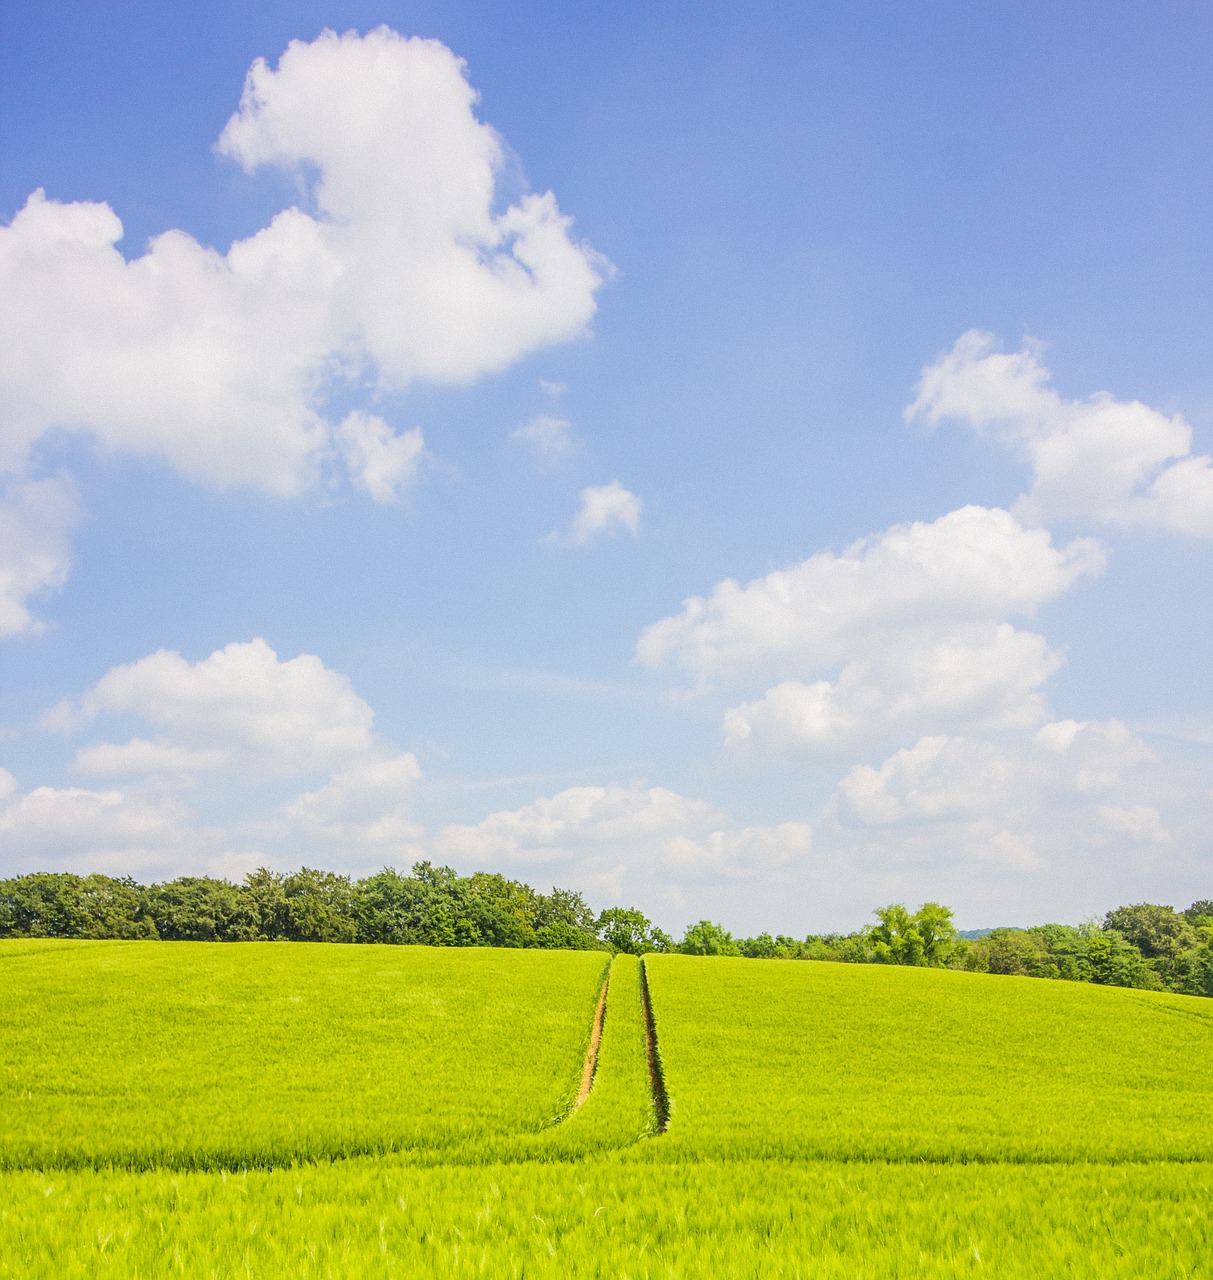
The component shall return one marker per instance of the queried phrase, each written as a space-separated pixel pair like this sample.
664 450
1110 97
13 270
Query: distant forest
1149 946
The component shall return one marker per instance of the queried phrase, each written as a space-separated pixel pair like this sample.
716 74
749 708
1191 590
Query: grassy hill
829 1061
195 1055
416 1108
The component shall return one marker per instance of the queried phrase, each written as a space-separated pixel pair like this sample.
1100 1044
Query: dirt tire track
661 1098
591 1055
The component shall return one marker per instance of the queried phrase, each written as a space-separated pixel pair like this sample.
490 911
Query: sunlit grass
788 1058
606 1218
206 1055
828 1121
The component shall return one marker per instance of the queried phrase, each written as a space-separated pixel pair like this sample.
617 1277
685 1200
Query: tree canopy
1145 945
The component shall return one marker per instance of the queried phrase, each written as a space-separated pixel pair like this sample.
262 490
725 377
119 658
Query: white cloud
378 460
1098 460
972 565
363 807
636 833
1091 755
905 631
35 519
111 831
1022 804
404 272
271 716
580 819
1057 768
605 508
986 676
744 852
1014 851
550 439
251 727
142 756
938 777
1141 823
440 288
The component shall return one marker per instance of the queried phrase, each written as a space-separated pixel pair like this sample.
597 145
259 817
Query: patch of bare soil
591 1057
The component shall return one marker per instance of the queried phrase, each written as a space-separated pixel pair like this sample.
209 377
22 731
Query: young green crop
458 1069
823 1060
202 1055
606 1218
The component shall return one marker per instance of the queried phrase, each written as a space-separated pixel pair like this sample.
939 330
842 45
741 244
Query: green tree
896 938
1011 951
63 905
939 939
1115 962
267 899
562 919
319 906
708 939
626 929
199 909
1158 932
504 909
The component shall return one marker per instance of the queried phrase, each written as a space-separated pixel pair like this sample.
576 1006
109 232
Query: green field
826 1120
827 1061
194 1055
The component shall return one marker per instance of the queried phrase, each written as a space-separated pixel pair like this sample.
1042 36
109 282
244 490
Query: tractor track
591 1054
661 1098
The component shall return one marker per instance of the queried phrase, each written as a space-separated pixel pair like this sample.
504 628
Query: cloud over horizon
236 734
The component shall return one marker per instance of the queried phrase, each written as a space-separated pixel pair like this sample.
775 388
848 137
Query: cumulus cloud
1141 823
1022 801
402 267
743 852
605 508
114 831
364 806
904 630
1099 460
439 287
988 676
938 777
35 519
612 833
204 360
557 828
141 756
1091 755
256 730
972 565
241 704
943 777
549 439
377 458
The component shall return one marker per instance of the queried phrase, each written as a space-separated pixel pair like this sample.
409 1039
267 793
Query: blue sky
369 540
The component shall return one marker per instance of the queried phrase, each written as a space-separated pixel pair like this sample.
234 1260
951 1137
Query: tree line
1145 945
